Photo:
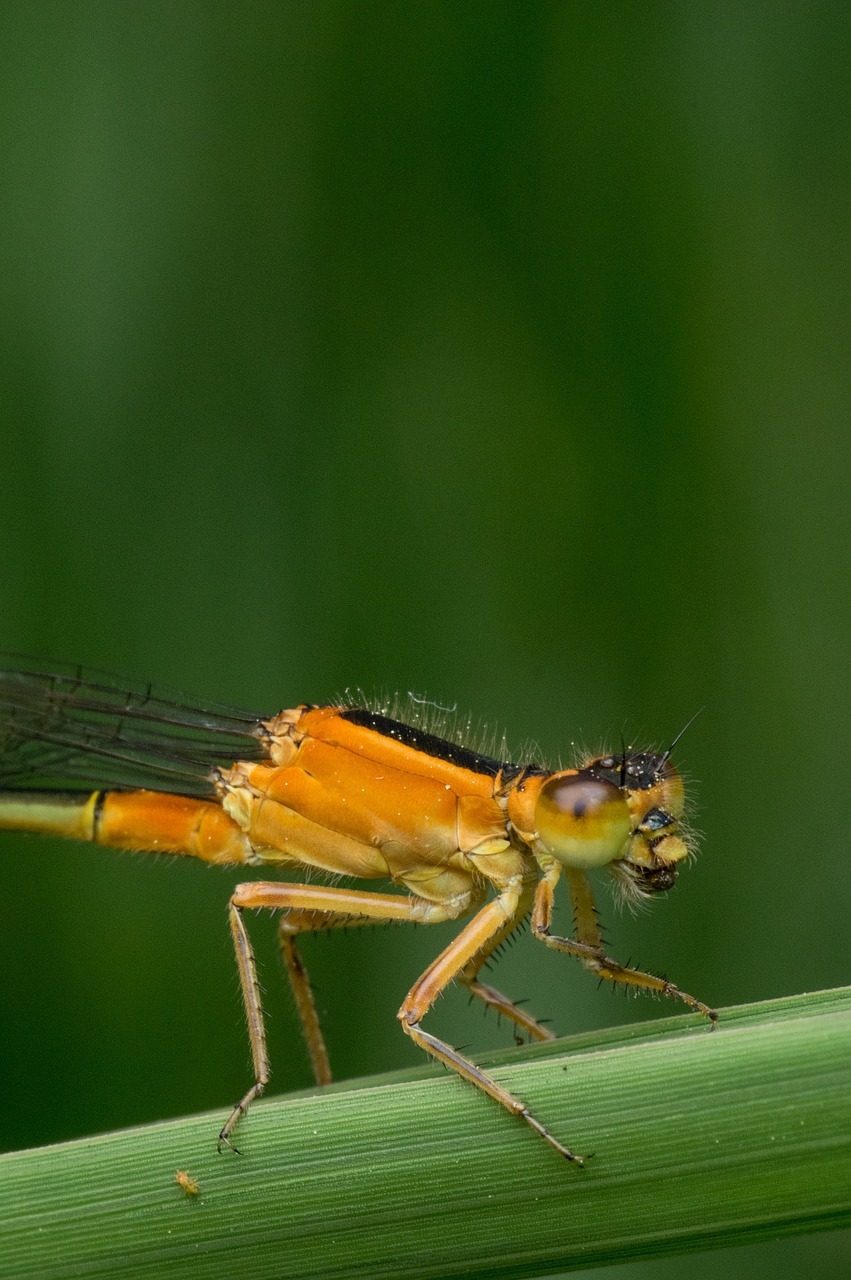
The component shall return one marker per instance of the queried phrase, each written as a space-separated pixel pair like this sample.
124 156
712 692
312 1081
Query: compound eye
582 821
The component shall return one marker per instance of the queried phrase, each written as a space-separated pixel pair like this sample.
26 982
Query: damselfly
348 790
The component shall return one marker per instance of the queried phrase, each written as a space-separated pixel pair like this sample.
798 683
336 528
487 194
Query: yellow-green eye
582 821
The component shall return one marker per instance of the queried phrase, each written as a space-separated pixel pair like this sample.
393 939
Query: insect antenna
666 757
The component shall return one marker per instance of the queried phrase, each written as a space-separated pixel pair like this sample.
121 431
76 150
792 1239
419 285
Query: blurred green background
497 351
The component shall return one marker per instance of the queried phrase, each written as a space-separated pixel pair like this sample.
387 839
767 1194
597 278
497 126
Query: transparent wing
68 725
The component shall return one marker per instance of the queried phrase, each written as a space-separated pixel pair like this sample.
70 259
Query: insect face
656 799
623 812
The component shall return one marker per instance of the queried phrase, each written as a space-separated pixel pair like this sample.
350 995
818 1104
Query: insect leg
588 946
487 925
468 977
325 907
293 924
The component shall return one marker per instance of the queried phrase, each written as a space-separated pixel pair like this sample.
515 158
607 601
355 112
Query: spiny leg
506 1008
333 905
304 1001
293 924
588 947
492 998
479 935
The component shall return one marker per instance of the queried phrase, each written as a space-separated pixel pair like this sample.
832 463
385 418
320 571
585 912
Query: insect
188 1185
349 791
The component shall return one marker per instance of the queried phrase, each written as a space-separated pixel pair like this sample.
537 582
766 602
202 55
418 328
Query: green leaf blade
700 1140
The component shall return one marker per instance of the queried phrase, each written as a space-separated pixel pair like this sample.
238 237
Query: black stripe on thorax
428 743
